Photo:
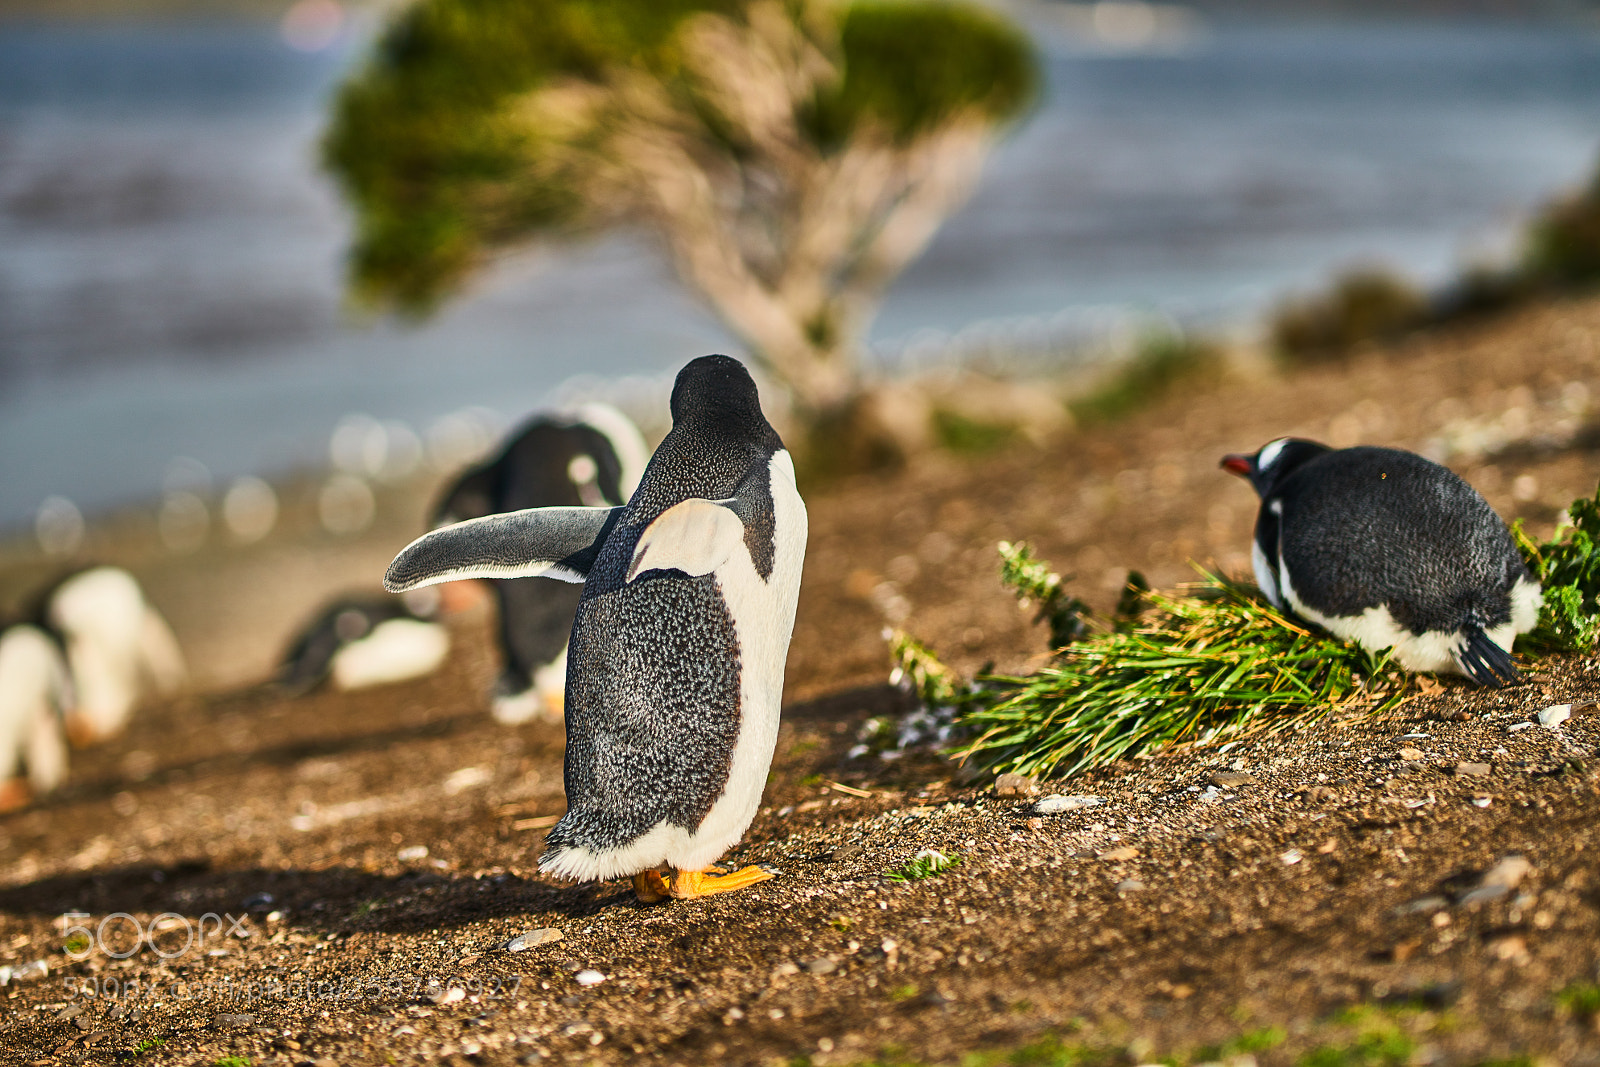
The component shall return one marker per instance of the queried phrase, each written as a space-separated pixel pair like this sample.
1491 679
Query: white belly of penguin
763 620
1376 630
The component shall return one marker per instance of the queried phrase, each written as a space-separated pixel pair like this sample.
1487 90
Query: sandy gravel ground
1419 888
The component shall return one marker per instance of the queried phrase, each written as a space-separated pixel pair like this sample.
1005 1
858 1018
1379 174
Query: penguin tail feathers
1484 661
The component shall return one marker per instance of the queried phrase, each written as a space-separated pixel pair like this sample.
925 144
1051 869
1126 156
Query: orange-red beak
1238 463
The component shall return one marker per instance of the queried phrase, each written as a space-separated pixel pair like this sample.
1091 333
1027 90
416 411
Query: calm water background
170 257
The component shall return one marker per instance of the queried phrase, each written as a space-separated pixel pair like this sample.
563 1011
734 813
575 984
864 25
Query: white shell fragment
1555 715
531 939
1056 803
588 977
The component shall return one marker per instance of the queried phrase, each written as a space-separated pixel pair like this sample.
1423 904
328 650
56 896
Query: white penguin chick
119 648
34 690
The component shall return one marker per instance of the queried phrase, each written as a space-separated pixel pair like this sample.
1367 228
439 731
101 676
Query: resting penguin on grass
1391 551
594 457
675 668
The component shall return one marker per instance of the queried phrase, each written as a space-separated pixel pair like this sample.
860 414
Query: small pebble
1232 779
1117 855
1509 872
1411 755
1514 727
1423 906
1499 880
1511 949
1130 885
821 965
523 942
412 853
232 1022
588 977
1473 769
1291 857
449 995
1056 803
1015 785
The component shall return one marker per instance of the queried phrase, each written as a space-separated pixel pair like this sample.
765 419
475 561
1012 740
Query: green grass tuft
1213 662
149 1044
1580 999
958 433
928 863
1165 360
1387 1047
233 1061
1568 567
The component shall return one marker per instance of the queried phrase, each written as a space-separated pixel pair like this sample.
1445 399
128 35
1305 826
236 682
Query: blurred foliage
430 146
1561 254
1568 569
962 433
1365 305
936 685
1035 584
1163 361
1564 241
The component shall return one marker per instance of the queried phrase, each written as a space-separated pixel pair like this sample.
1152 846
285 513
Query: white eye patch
1269 453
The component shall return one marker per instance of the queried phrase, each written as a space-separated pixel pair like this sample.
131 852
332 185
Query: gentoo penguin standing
359 641
118 649
1391 551
675 669
593 458
34 691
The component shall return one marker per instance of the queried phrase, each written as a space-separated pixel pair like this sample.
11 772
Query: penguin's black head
1273 462
715 395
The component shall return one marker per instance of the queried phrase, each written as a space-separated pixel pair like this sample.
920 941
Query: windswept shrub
1163 361
1365 305
1564 241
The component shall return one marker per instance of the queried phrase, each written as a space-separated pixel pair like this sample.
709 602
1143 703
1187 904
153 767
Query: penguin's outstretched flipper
695 537
1484 661
652 887
557 543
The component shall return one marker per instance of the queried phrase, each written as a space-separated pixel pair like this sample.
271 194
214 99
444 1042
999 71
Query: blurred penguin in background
119 650
35 692
365 640
592 458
